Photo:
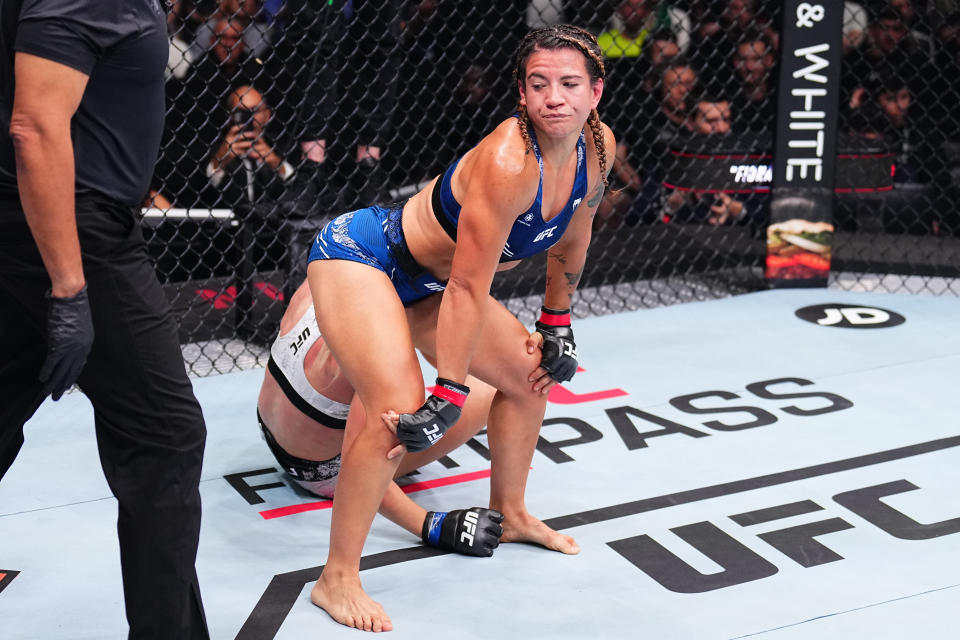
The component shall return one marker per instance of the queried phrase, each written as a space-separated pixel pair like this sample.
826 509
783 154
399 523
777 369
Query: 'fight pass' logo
836 314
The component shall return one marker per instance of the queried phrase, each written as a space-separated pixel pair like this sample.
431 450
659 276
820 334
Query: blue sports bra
530 233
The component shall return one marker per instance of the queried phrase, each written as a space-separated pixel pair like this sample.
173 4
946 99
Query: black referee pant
150 430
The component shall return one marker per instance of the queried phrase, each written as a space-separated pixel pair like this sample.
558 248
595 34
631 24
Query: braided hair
564 36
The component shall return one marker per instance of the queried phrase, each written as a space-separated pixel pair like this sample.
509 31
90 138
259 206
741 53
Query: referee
81 113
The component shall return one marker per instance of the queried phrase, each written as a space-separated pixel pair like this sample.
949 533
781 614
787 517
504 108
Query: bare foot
348 604
526 528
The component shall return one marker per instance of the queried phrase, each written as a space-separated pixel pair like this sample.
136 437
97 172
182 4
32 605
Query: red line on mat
280 512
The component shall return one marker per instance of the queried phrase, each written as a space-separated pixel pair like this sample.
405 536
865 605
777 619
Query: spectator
243 13
884 108
942 93
635 20
192 127
179 58
754 64
636 170
421 29
673 109
245 166
719 31
854 25
625 40
327 47
679 78
887 47
185 17
711 116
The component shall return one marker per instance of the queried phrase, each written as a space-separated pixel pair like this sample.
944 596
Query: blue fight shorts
374 237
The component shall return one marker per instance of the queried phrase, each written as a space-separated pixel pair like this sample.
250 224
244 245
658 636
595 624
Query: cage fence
283 114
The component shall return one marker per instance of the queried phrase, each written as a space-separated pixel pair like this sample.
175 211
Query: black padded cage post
800 234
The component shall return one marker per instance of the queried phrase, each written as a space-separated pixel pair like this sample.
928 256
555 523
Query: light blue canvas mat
729 469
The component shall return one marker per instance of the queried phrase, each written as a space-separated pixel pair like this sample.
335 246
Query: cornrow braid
524 123
557 37
598 143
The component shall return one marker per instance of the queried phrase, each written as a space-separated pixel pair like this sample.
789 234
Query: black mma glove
472 532
69 338
419 430
559 351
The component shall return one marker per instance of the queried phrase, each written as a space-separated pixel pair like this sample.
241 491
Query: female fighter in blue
532 184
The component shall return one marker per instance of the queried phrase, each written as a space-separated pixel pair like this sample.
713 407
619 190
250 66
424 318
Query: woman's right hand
391 420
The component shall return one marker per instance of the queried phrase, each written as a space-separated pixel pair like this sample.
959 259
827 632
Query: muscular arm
495 193
566 259
47 95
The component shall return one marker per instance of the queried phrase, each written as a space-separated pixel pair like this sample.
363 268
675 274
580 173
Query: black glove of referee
69 338
559 351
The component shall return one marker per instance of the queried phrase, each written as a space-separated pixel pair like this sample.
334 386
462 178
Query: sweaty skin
302 437
495 183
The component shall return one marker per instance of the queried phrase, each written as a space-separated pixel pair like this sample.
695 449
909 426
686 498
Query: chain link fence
283 114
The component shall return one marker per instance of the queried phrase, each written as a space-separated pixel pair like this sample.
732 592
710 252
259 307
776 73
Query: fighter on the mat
302 411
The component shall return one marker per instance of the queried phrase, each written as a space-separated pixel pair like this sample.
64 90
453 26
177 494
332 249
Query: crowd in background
312 107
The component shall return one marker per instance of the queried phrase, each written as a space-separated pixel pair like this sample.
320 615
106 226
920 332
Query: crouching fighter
302 411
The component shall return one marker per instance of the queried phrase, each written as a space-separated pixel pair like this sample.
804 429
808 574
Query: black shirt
122 46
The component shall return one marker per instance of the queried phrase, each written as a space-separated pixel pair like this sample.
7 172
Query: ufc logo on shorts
546 233
431 433
434 286
470 526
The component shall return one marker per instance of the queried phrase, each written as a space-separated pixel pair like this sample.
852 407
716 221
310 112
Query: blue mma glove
559 351
471 532
69 338
420 430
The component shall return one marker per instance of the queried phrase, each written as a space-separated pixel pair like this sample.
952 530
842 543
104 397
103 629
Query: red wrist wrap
561 319
455 396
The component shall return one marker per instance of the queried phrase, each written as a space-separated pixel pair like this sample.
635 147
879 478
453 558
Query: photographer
245 166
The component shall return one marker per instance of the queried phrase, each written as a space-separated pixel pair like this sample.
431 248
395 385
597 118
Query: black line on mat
284 589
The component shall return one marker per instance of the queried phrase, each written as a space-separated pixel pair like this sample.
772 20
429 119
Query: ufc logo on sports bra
546 233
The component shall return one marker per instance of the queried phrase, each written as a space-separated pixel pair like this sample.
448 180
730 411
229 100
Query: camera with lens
244 119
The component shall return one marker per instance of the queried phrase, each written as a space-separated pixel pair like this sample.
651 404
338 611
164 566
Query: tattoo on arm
594 198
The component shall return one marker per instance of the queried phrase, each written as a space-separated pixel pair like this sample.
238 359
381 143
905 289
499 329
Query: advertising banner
800 234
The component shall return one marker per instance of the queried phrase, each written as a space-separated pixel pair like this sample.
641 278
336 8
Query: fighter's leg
396 505
369 335
516 414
